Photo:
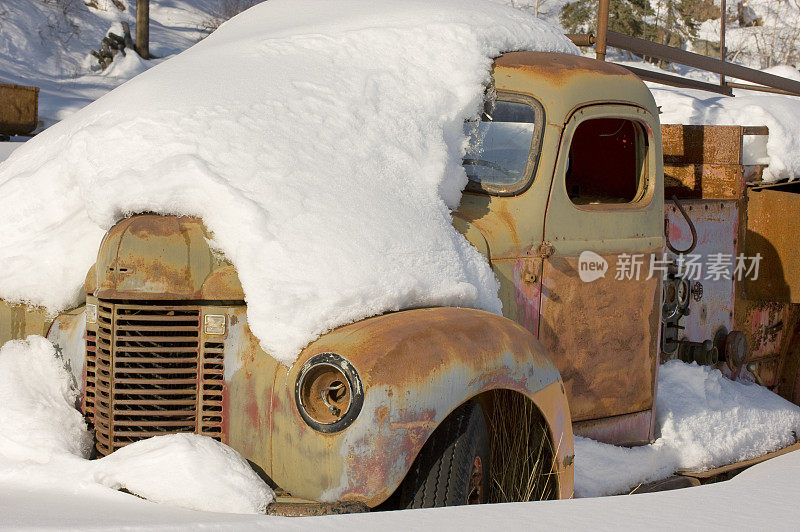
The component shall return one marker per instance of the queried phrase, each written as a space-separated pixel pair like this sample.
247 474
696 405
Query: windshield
500 144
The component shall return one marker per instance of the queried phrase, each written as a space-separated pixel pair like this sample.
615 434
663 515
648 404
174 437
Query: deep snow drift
703 420
45 443
324 153
713 419
763 497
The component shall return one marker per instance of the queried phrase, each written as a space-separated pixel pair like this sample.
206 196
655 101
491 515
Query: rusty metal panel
626 430
162 257
703 161
155 373
19 107
416 367
520 290
602 337
250 375
773 217
707 181
717 226
689 144
766 325
18 321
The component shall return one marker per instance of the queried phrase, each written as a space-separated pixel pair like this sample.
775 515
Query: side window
502 145
607 162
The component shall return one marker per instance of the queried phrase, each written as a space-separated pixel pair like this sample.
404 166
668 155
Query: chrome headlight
328 393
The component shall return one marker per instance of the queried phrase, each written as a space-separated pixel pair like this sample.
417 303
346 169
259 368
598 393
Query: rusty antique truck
568 158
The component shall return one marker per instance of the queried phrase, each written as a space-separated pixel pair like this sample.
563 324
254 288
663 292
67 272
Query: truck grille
152 374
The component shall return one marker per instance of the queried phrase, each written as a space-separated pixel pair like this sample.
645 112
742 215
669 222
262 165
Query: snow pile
186 470
324 153
37 403
44 442
704 421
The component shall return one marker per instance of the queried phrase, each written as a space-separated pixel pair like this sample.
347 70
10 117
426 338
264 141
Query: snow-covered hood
319 141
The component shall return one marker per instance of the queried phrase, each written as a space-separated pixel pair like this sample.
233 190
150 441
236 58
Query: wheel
453 466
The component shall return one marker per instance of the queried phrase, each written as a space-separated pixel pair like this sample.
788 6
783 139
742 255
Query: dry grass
522 452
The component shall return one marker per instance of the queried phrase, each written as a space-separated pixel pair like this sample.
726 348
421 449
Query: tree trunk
143 28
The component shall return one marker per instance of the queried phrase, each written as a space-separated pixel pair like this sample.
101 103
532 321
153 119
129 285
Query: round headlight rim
347 369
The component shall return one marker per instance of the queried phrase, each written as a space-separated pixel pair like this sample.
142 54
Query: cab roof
564 82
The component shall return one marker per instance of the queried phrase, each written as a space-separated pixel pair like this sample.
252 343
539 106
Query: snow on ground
47 44
764 496
6 148
324 153
703 420
45 445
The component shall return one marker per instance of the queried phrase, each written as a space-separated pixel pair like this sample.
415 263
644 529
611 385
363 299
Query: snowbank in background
780 113
704 420
44 443
47 44
324 153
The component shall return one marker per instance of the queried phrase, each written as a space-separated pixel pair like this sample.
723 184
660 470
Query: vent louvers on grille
153 375
91 357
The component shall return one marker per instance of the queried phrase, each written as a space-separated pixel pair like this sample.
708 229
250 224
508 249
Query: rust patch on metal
461 353
772 219
602 337
559 68
161 257
626 430
288 508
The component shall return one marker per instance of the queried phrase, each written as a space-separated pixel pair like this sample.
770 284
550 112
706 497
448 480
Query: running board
709 475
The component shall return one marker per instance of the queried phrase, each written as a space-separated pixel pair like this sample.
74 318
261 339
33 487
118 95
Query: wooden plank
689 144
19 107
709 473
704 181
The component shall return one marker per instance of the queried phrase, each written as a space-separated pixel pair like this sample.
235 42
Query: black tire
453 466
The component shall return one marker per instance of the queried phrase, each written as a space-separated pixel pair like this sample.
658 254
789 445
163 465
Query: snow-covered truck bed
747 226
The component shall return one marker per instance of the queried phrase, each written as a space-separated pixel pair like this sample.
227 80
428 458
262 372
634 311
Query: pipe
602 29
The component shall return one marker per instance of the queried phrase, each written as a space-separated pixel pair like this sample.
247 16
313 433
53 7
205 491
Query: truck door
600 301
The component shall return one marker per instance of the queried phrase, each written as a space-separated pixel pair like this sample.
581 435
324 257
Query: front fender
417 366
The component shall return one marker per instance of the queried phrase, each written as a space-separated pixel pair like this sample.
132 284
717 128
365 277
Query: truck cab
568 166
